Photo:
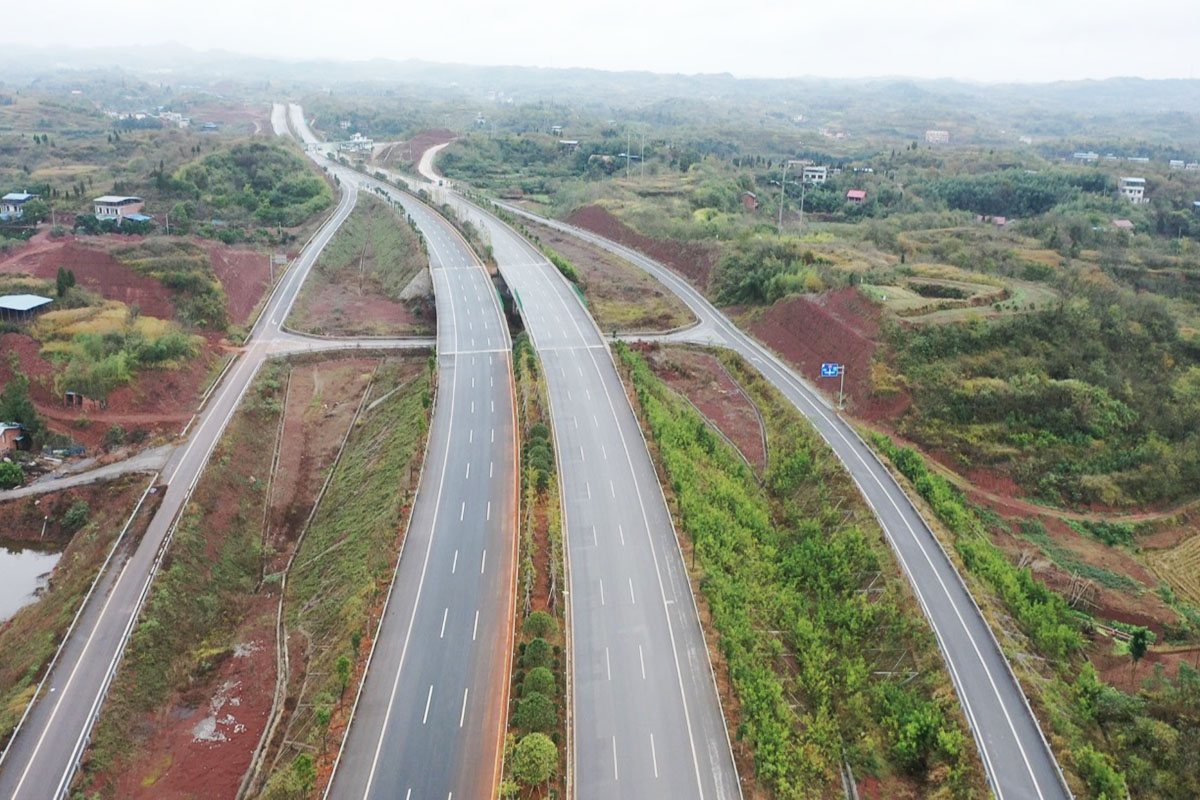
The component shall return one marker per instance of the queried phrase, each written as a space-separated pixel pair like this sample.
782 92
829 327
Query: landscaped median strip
534 755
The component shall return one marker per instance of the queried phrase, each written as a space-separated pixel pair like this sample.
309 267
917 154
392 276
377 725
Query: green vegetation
185 268
1106 739
100 347
16 405
1059 398
341 572
535 693
11 475
247 184
390 252
808 607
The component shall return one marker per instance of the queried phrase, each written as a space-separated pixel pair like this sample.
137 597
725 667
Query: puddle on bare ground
24 573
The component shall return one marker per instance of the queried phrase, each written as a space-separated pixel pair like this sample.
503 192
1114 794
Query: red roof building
856 196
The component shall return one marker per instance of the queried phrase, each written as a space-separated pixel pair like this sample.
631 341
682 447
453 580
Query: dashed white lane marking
601 592
621 530
470 436
445 614
594 542
493 434
454 566
612 489
653 755
604 452
463 511
475 631
462 716
607 664
489 510
632 599
468 471
641 661
428 697
616 775
483 562
588 486
491 468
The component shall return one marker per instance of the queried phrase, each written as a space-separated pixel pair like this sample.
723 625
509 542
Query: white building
1086 158
1133 190
1193 166
12 205
1175 163
112 206
937 137
814 174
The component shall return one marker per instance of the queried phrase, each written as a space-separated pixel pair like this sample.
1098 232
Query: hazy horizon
1025 42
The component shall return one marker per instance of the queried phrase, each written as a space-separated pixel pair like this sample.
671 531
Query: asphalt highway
430 718
1016 757
647 720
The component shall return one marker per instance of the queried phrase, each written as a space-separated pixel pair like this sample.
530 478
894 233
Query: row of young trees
783 569
1143 744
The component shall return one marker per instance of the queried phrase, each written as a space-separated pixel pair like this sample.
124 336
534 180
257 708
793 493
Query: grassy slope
391 255
345 562
791 558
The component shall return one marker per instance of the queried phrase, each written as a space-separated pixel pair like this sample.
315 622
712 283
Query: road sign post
833 370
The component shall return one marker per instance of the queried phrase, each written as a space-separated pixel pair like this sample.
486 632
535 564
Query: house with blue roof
12 205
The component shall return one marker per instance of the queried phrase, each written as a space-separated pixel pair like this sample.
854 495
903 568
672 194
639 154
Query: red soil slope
694 260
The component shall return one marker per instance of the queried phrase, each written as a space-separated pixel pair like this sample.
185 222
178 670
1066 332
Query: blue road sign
831 370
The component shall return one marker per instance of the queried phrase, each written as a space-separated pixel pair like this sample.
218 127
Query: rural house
12 205
856 196
117 207
749 200
1133 190
814 174
12 437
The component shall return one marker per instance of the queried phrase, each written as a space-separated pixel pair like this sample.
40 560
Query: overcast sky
1013 40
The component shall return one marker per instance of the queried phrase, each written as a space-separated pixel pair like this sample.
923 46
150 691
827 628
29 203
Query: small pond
23 574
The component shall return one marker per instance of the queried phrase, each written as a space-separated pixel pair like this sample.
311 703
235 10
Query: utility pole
841 385
803 186
782 193
628 147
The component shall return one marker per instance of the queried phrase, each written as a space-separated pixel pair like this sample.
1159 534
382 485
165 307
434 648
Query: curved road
430 717
1015 754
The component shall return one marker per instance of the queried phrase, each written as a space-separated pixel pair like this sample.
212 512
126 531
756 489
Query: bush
540 624
536 713
11 475
534 759
540 680
537 654
77 516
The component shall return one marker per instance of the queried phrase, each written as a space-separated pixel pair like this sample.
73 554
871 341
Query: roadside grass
828 657
620 296
203 586
342 570
29 640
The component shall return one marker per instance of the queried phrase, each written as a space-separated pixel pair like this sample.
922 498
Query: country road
1016 756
